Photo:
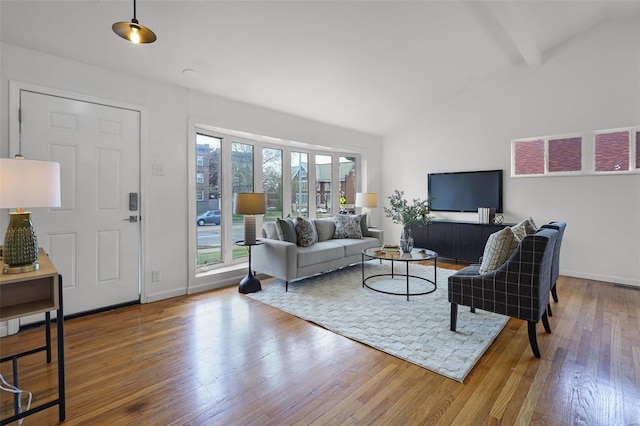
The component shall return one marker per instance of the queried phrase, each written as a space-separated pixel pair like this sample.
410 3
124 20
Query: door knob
131 219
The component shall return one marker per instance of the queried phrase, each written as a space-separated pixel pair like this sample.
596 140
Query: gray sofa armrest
377 233
275 258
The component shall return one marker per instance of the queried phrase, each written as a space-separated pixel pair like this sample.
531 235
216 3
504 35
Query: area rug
416 330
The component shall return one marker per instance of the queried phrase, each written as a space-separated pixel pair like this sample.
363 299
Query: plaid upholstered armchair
519 288
555 266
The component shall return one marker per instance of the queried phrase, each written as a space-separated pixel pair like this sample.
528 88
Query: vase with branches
408 215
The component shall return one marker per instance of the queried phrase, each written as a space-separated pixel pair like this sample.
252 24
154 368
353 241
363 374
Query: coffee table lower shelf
416 255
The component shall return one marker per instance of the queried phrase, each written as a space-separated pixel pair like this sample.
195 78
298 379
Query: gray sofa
288 261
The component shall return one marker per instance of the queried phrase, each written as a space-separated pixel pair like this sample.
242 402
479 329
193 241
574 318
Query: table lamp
367 200
250 204
25 183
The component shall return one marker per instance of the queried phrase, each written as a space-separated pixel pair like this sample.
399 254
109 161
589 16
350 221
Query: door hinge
19 115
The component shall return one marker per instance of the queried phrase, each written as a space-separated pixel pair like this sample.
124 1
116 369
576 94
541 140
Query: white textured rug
416 330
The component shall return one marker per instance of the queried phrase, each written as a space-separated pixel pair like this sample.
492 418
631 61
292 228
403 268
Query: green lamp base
20 250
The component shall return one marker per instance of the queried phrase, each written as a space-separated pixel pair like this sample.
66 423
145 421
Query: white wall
167 111
590 82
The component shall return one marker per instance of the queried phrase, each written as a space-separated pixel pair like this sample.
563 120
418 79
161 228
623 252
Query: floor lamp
367 200
25 183
249 204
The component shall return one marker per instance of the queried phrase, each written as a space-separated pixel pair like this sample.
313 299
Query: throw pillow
347 226
524 228
270 231
305 232
325 228
363 225
286 229
499 248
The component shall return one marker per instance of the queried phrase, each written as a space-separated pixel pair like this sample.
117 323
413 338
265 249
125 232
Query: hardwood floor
221 358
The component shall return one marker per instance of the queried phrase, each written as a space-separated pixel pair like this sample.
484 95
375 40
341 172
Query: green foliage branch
403 213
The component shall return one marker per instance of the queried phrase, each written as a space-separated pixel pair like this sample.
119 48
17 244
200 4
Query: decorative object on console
367 200
498 219
250 204
486 214
133 31
25 183
408 215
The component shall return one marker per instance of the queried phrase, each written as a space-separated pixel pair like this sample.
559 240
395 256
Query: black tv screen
465 191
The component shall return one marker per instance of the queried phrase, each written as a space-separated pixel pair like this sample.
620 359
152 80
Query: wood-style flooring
220 358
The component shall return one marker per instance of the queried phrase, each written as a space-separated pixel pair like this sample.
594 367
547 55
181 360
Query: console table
457 240
27 294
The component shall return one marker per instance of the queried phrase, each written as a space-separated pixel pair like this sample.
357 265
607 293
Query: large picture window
297 182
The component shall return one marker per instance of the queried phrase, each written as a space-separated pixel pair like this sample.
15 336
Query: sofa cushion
286 230
320 252
354 246
524 228
499 248
347 226
305 232
325 228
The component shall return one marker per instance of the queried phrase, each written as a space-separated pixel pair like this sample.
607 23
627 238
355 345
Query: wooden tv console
461 241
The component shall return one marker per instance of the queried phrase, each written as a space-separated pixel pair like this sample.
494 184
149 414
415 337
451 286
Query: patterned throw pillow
286 229
305 232
499 248
347 226
524 228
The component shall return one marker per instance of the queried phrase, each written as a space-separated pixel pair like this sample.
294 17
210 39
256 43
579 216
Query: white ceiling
363 65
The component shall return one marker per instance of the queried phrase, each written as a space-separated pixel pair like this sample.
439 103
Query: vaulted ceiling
363 65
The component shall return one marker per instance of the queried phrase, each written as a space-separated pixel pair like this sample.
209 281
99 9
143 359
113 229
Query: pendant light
133 31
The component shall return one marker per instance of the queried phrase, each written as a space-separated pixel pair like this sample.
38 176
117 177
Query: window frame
198 277
588 154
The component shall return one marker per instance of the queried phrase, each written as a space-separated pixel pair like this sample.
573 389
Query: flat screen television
465 191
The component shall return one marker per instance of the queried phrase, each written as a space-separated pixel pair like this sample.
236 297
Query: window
324 170
529 157
208 197
565 155
347 185
227 163
603 151
612 151
299 184
242 175
272 182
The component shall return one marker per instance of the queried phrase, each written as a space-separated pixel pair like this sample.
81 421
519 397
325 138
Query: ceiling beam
513 22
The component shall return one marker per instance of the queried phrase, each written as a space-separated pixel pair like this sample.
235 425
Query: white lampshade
29 183
366 199
250 203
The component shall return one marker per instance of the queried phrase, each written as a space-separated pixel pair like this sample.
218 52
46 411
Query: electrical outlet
155 276
157 169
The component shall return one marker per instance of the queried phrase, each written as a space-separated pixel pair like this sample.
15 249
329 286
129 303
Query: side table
250 283
27 294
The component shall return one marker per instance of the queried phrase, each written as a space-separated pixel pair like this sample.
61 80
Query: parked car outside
209 217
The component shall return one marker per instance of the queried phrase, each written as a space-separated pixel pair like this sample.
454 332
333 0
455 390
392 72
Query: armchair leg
454 317
554 293
549 309
545 322
472 310
533 340
286 286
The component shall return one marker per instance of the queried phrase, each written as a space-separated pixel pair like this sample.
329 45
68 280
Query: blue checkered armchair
555 266
519 288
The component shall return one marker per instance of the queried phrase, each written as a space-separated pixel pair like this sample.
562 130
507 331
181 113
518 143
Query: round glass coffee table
416 255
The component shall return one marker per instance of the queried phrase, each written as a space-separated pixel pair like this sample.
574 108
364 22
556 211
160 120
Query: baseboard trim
604 278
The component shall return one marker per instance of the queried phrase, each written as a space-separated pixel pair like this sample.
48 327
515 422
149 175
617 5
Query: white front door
89 238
